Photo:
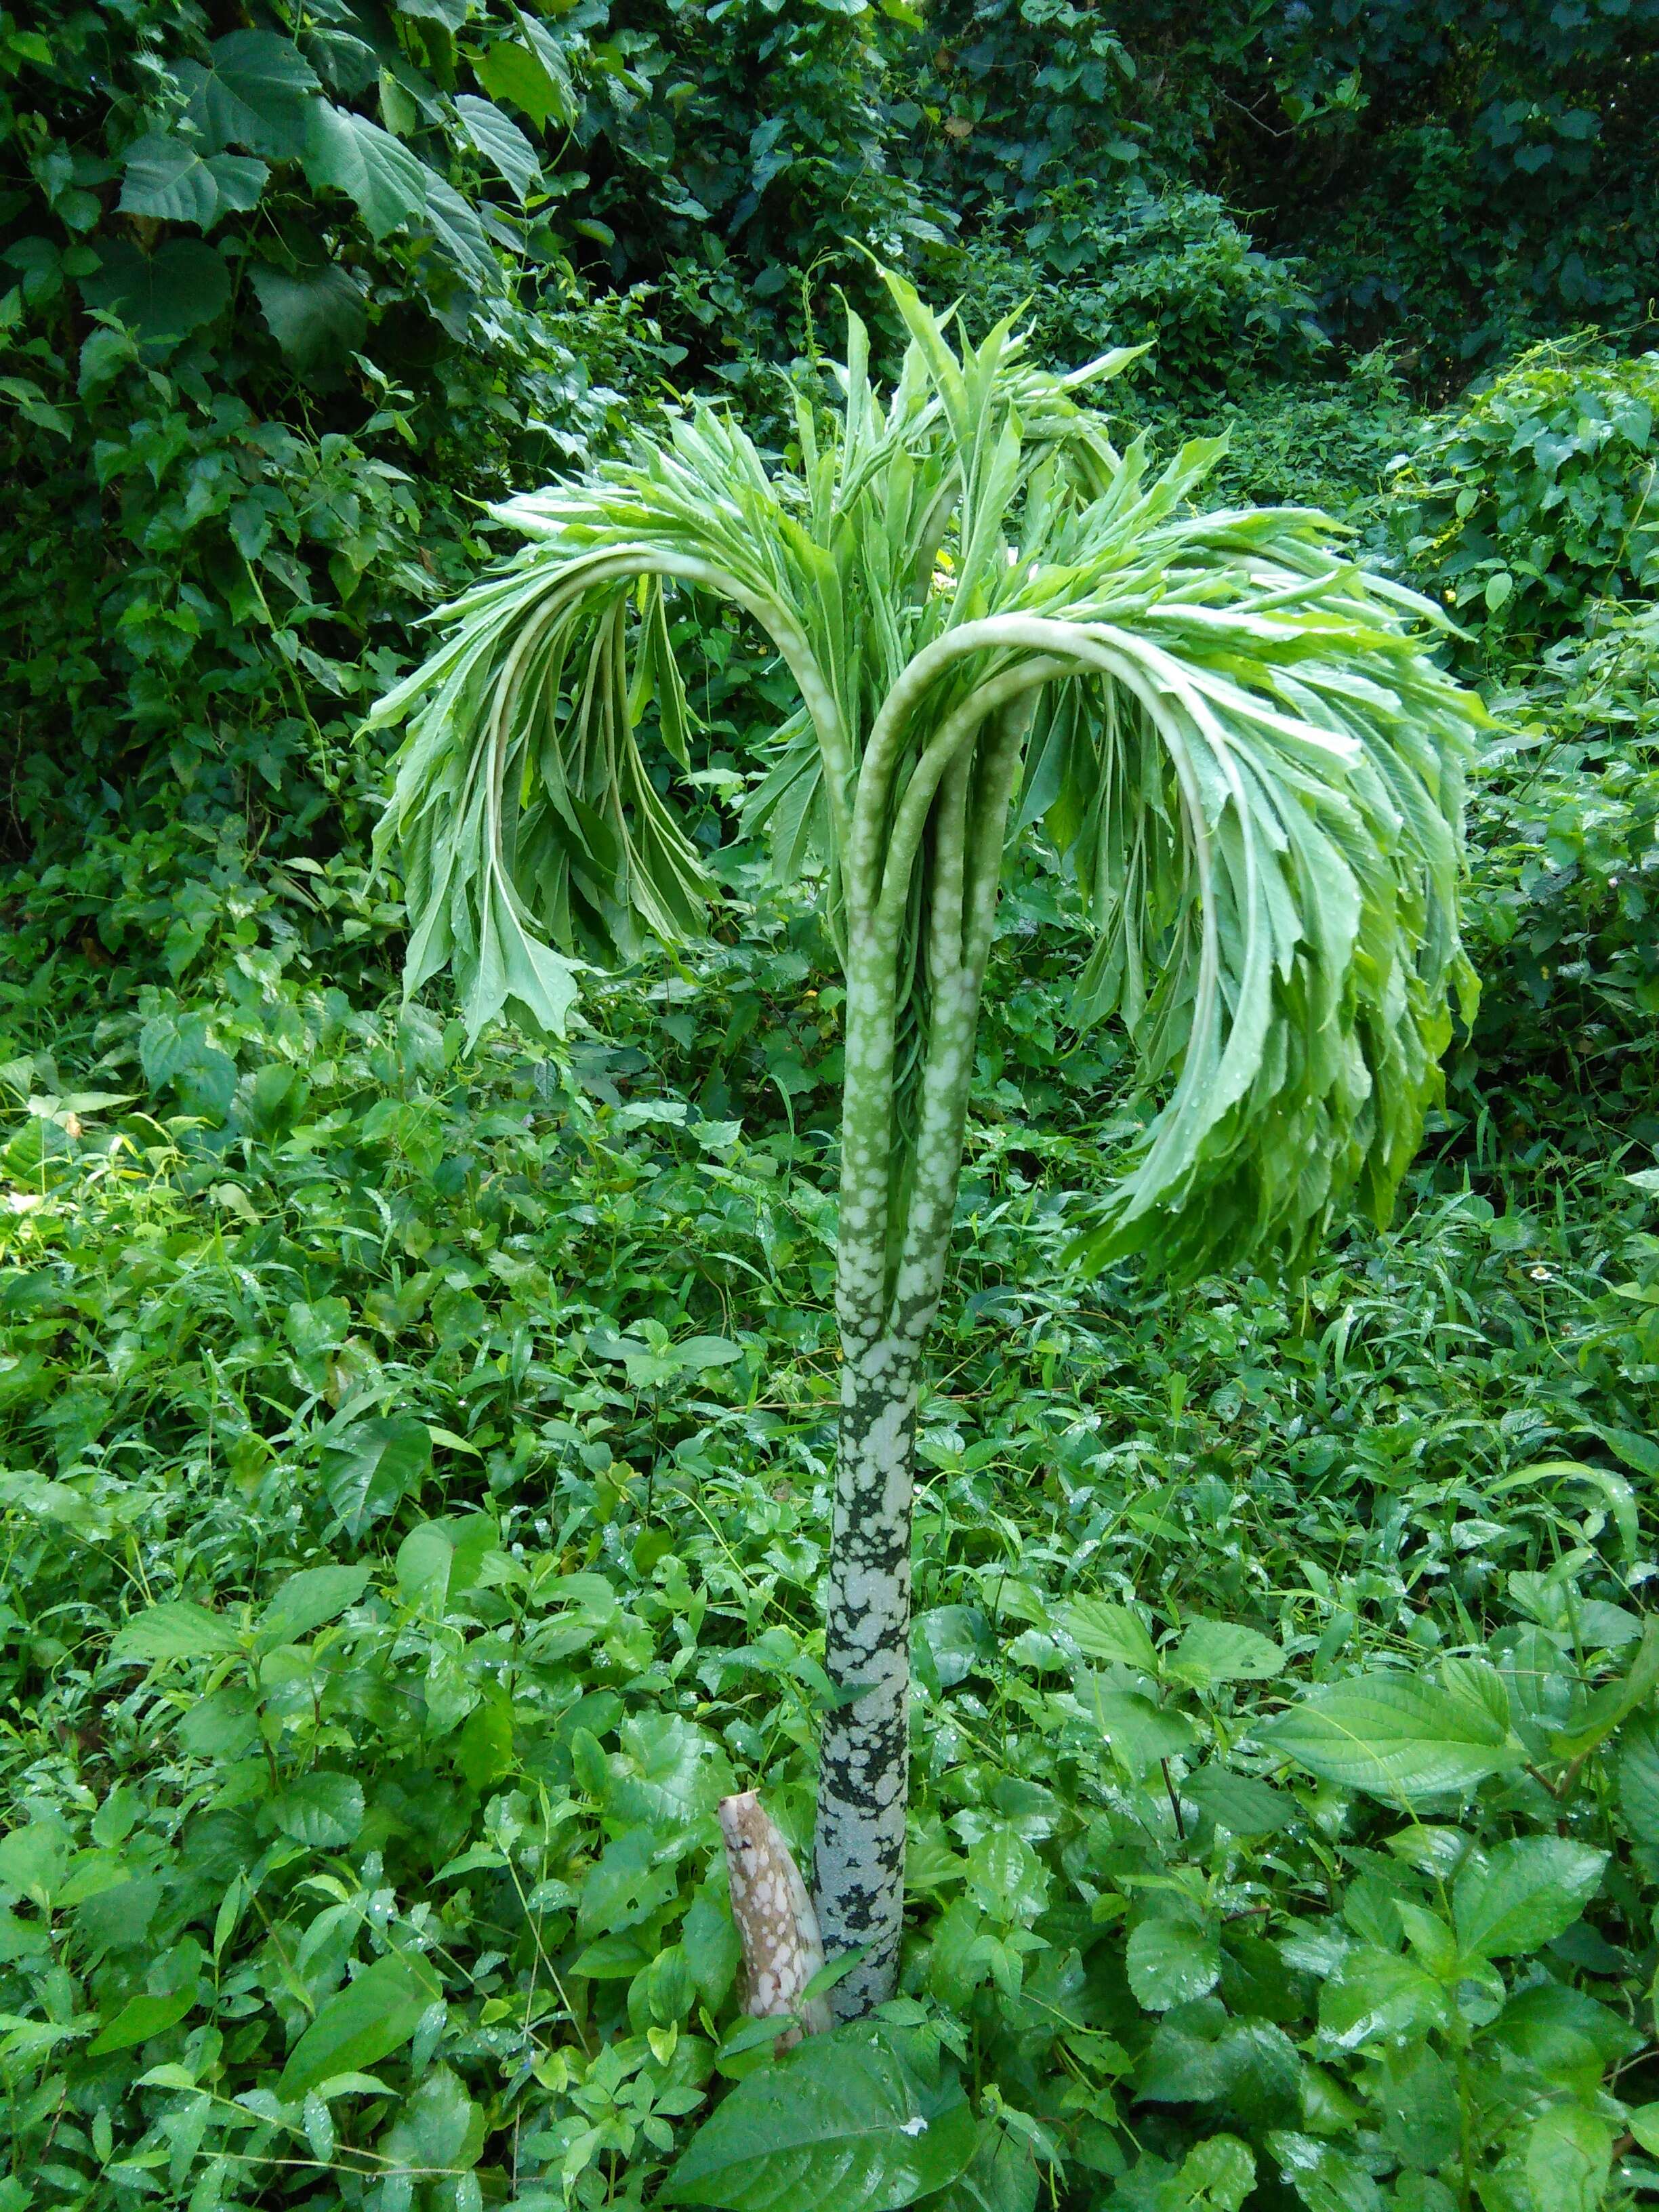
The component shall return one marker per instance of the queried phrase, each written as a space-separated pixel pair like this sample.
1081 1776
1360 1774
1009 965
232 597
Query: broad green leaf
1378 1996
717 1136
255 92
139 2019
1108 1632
1325 2178
1240 1803
1643 2125
1568 2158
1477 1684
1140 1731
322 1810
1637 1451
1197 2056
318 2127
1220 1651
1527 1893
1220 2173
425 1558
713 1949
594 1596
1431 1939
179 1629
699 1354
348 154
840 2121
1172 1962
273 1099
34 1860
1436 1852
361 2024
452 14
932 1861
33 406
439 2129
103 354
162 298
1604 1627
632 1877
1006 1878
1563 2033
1638 1781
455 224
959 1640
553 52
670 1772
1000 2177
1395 1736
307 1600
502 143
508 70
371 1466
221 1726
483 1749
316 315
170 178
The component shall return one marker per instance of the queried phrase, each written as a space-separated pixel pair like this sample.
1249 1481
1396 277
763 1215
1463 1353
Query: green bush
1328 444
1537 497
1565 888
1174 271
259 342
1457 177
1464 175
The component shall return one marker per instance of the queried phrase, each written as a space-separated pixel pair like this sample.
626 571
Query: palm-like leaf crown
1240 739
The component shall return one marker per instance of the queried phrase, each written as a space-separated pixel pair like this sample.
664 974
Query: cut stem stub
783 1950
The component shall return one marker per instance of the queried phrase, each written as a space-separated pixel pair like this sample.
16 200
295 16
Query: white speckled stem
864 1755
891 1272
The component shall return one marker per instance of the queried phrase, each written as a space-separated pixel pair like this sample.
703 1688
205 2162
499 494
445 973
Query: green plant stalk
894 1235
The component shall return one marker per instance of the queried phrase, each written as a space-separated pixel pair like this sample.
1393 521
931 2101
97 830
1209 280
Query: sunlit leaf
840 2119
1395 1736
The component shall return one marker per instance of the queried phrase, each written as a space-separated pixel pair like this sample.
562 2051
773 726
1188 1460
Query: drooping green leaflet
992 619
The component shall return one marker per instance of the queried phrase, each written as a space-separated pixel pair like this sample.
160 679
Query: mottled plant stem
859 1854
895 1234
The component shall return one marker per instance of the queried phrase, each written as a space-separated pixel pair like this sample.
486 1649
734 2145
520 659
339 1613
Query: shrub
1460 176
1566 896
1536 498
1174 271
1329 445
256 347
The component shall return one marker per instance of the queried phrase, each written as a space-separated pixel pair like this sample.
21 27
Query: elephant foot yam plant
992 619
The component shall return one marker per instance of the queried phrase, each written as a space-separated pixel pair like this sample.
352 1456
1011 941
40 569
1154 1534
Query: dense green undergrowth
415 1511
